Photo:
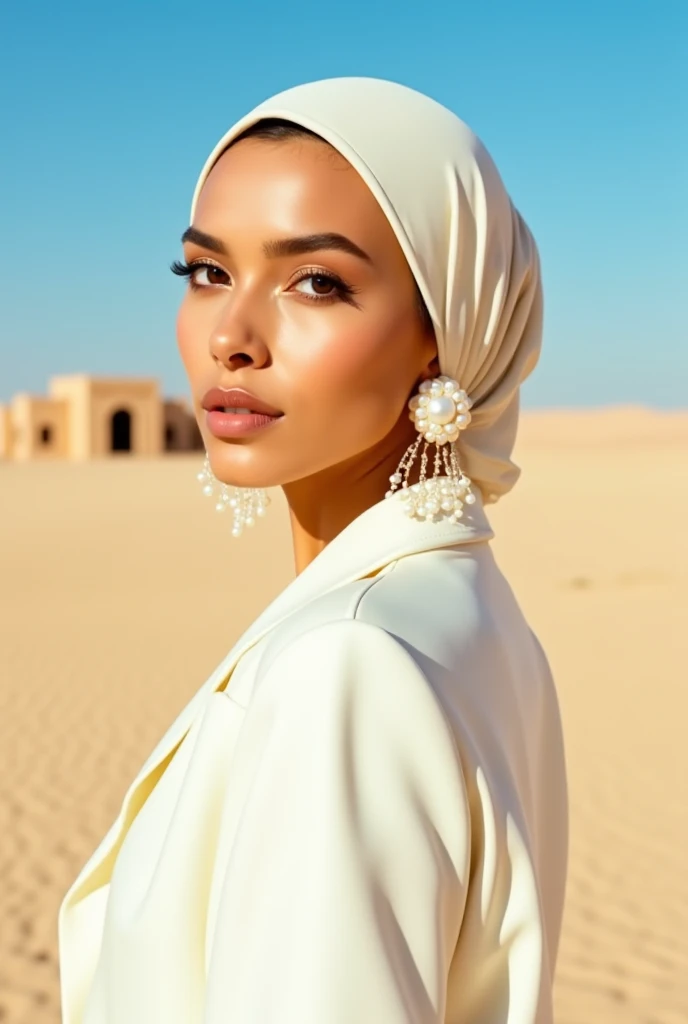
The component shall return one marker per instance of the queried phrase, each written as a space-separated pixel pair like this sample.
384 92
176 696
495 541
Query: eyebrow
284 246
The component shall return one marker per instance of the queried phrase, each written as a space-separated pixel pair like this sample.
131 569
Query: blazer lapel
382 534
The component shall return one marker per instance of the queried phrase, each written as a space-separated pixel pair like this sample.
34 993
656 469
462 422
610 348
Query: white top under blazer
360 817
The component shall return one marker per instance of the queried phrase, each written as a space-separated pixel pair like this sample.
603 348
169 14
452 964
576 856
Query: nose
235 340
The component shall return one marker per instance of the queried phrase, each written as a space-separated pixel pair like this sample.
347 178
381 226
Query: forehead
290 185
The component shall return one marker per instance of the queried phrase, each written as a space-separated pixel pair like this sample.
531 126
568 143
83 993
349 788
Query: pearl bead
426 385
470 499
245 503
441 410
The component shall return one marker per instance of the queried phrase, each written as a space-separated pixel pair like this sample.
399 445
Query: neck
323 505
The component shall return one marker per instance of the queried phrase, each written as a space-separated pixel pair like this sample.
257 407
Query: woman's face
300 295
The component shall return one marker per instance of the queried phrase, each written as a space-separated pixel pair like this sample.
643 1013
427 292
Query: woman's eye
213 275
319 284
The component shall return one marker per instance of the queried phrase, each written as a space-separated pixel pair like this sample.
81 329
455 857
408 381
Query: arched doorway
120 431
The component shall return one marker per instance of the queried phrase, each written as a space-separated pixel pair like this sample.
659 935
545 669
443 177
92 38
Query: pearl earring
440 410
246 502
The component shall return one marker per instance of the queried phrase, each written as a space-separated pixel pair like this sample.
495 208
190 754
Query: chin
233 468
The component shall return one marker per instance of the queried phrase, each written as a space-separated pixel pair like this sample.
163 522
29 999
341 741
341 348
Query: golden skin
341 372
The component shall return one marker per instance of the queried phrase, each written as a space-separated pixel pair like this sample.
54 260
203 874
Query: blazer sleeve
343 895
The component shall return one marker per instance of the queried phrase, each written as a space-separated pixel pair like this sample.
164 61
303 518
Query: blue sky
109 111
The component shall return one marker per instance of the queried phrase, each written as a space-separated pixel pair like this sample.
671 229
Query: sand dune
122 589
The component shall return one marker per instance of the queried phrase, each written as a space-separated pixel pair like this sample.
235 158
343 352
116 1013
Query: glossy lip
237 424
219 398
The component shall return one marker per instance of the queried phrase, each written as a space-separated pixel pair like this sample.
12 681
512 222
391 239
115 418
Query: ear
432 369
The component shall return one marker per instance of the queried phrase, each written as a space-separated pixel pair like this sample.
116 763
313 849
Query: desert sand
121 589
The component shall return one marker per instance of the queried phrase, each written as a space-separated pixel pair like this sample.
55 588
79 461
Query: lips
233 413
237 400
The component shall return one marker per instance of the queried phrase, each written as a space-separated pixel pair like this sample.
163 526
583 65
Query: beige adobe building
85 417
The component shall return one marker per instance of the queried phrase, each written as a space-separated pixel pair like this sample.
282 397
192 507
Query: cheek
364 368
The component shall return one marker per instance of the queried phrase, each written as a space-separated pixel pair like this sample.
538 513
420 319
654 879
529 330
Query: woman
361 816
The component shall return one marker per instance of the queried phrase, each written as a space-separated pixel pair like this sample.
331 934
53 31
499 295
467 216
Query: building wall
87 417
73 389
141 401
100 406
39 427
180 429
5 432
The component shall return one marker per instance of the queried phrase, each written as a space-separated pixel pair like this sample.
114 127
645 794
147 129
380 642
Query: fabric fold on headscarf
473 256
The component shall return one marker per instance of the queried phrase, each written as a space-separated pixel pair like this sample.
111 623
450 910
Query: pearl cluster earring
439 411
246 503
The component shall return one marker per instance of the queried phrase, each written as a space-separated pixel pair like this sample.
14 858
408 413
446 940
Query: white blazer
359 818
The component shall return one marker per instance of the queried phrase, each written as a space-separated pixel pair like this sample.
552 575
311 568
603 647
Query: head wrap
470 251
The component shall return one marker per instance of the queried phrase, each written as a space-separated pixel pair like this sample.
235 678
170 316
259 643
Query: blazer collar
380 535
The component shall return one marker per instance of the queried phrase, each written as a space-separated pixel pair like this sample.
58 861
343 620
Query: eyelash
343 291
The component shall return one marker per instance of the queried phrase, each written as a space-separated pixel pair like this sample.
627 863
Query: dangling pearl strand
440 410
246 503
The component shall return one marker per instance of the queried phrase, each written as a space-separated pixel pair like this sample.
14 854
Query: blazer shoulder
433 600
456 614
342 656
451 595
340 604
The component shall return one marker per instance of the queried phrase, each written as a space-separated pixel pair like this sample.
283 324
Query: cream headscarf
473 256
